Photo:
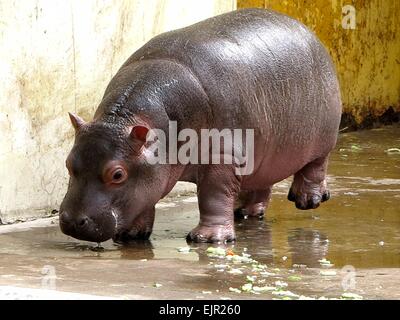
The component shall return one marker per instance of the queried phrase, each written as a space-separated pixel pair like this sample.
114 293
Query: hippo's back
260 69
249 58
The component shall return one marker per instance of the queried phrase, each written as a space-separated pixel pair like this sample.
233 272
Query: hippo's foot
127 236
140 229
309 187
255 210
216 233
308 200
252 204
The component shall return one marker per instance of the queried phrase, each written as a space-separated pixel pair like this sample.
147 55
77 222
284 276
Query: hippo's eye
114 173
117 175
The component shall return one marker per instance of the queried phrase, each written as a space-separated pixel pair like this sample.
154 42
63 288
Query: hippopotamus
247 69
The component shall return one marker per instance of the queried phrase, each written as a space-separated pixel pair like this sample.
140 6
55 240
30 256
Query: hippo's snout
70 224
82 227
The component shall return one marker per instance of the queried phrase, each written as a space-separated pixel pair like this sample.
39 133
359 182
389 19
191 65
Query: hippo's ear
77 122
139 132
138 135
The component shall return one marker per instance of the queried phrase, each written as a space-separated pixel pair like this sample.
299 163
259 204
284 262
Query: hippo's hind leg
309 187
253 203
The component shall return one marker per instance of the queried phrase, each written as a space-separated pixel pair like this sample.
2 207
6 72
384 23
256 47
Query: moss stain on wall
367 58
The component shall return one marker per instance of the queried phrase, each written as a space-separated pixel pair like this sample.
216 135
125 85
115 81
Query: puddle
358 227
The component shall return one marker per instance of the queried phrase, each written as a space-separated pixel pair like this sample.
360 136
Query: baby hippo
253 70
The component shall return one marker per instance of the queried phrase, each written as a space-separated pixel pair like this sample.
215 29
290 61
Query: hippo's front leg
217 188
140 229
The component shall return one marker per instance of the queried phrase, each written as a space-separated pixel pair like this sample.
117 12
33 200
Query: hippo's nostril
82 221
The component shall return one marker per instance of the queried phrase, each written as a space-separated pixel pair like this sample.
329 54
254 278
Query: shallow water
358 226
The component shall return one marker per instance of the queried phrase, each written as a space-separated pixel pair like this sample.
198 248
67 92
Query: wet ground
351 244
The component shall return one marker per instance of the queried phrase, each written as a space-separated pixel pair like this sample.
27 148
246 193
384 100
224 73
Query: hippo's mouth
92 234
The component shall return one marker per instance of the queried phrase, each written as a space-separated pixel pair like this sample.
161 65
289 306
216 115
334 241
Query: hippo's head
111 185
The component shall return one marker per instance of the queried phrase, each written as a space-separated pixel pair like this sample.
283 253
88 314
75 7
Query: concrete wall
58 56
367 58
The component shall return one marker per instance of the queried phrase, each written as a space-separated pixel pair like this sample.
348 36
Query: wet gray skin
359 226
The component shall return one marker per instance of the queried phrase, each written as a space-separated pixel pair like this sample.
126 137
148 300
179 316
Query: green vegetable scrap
351 296
285 293
327 273
258 267
294 278
235 290
245 258
235 271
216 252
267 274
251 278
325 263
355 147
264 289
247 287
220 266
281 284
255 283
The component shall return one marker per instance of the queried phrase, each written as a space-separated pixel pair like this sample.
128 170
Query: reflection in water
307 246
257 238
138 250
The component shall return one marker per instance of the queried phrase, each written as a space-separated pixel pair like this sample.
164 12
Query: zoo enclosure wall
58 56
363 38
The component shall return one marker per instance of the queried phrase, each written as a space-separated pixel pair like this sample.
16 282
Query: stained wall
58 56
